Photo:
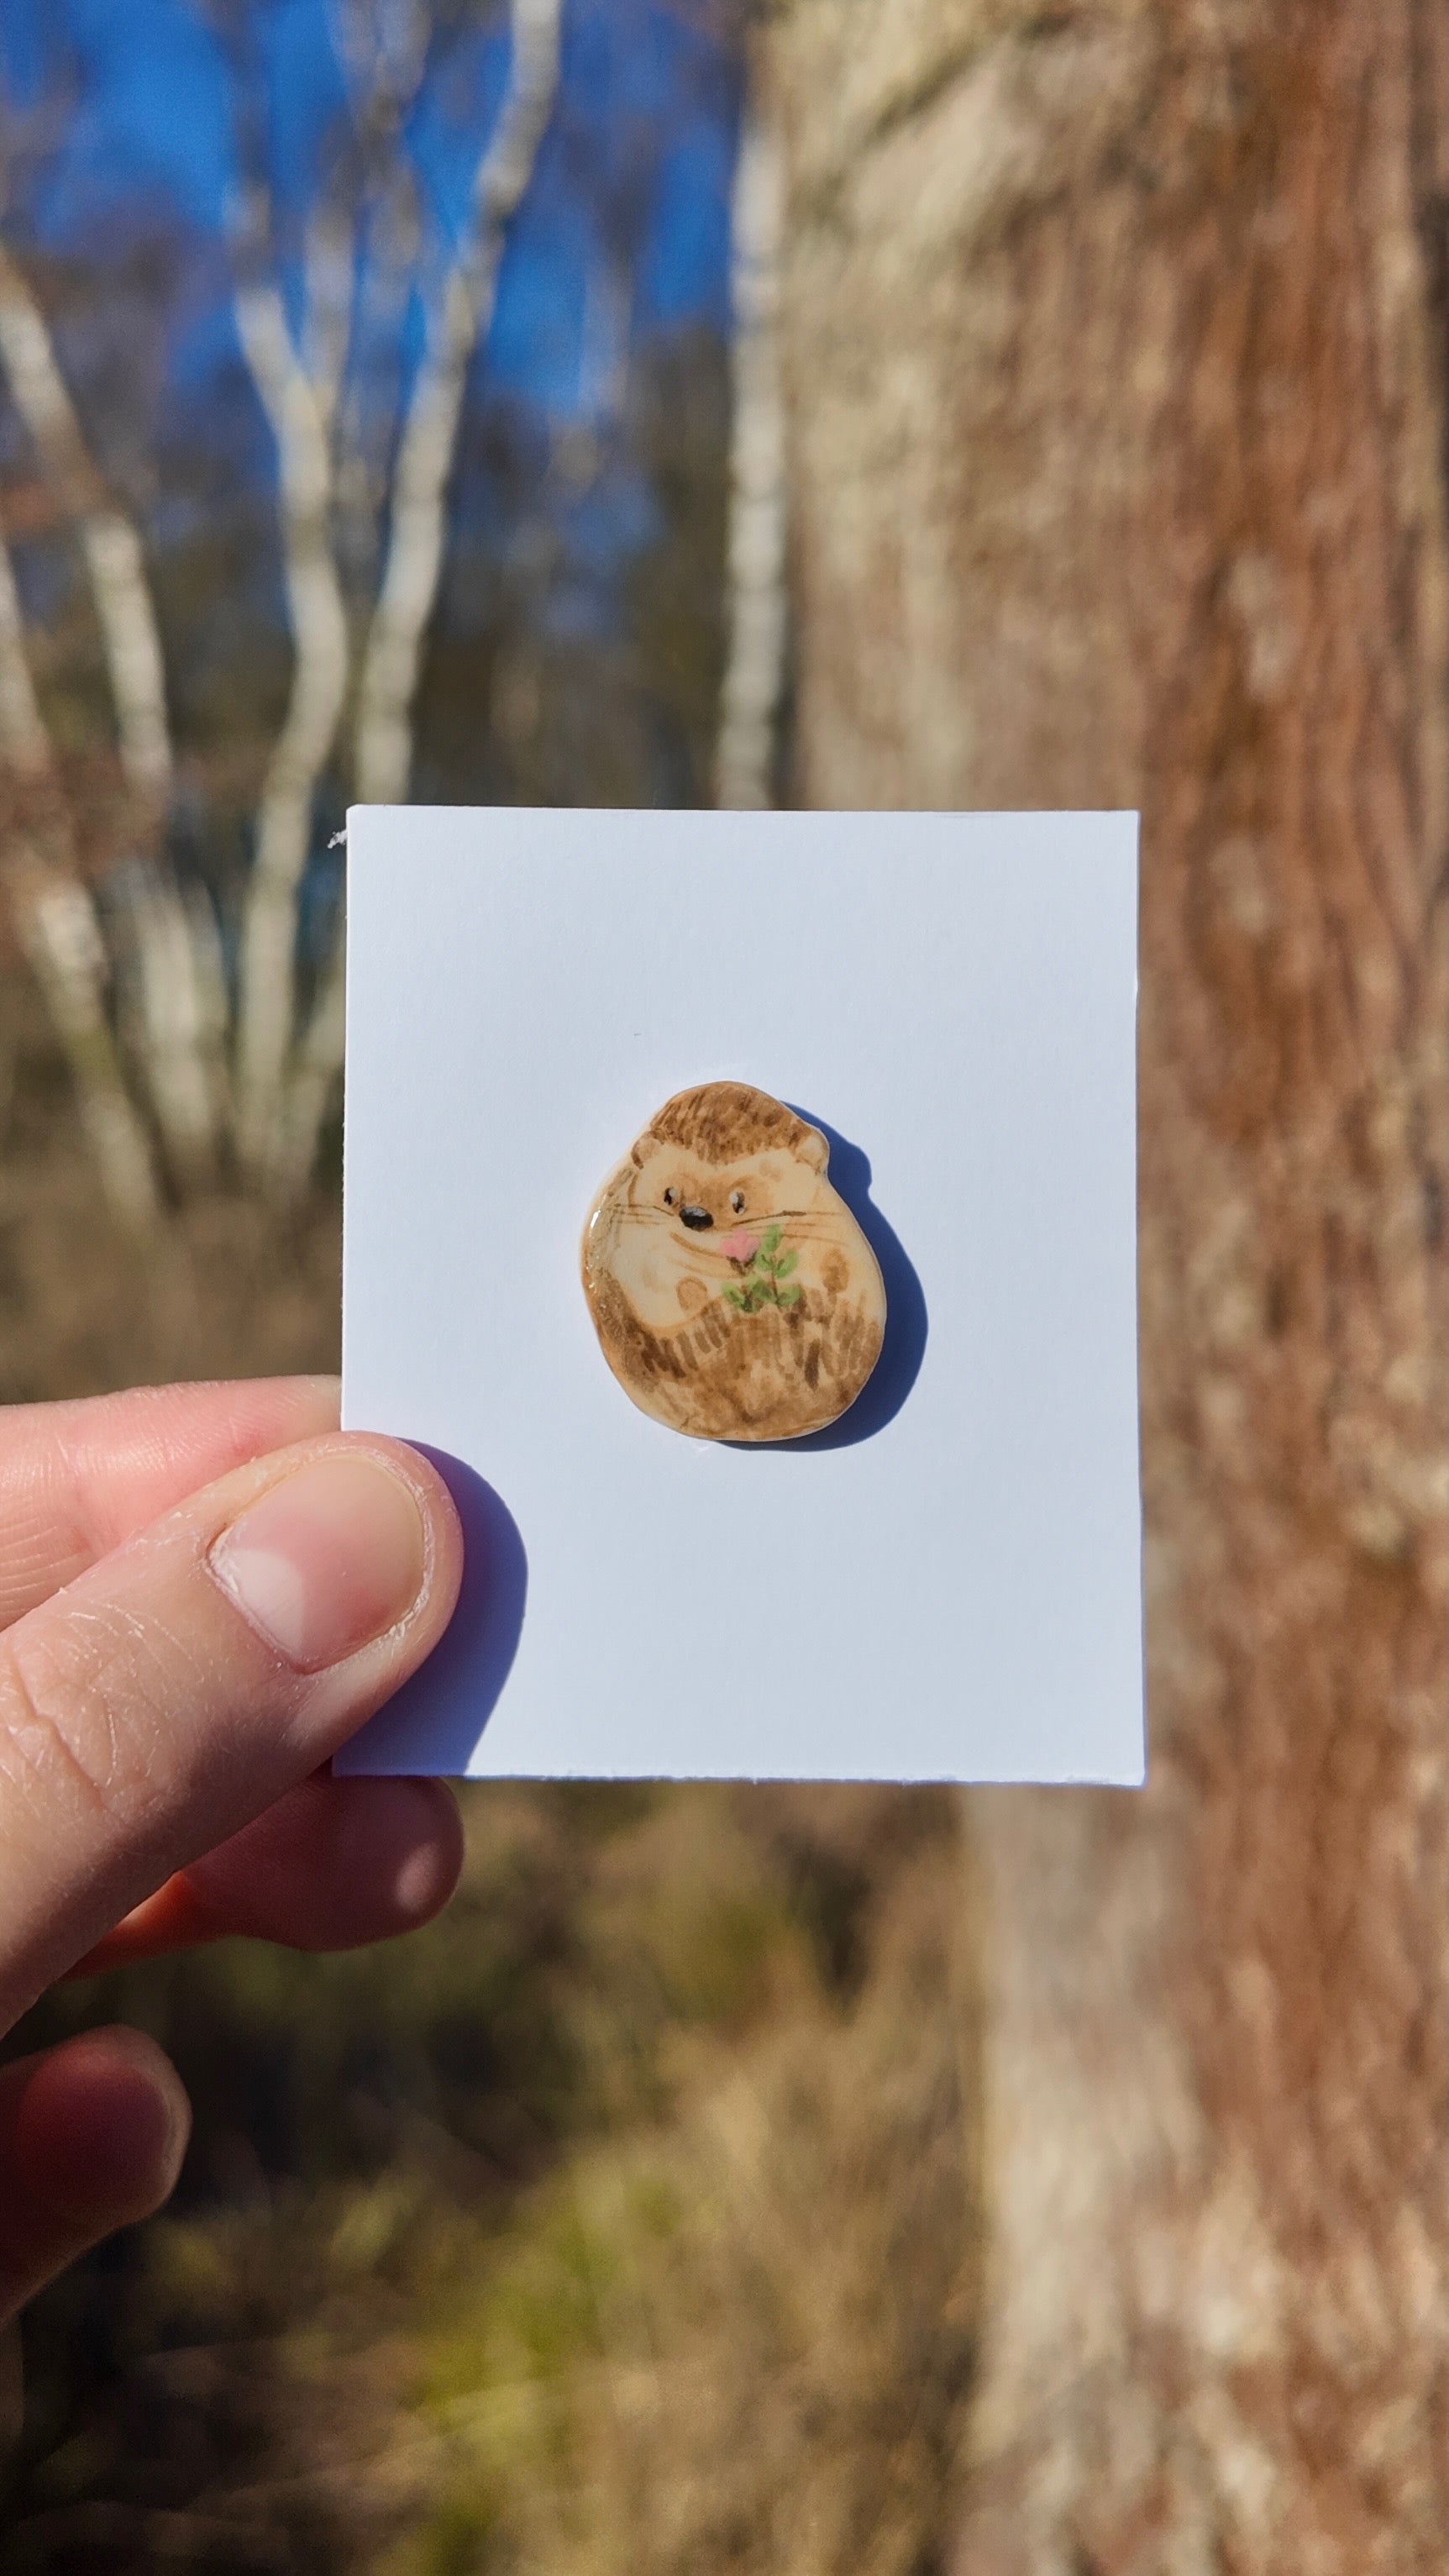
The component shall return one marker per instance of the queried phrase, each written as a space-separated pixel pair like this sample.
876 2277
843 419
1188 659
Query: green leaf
787 1296
769 1243
737 1298
787 1262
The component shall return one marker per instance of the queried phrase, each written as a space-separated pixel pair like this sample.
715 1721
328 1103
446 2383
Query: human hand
203 1591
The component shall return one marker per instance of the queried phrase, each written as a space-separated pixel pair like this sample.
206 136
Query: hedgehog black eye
737 1201
669 1197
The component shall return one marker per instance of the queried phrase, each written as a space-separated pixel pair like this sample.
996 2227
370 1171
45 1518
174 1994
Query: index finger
77 1479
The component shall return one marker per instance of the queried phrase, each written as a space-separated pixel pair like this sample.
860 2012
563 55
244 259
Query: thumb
186 1681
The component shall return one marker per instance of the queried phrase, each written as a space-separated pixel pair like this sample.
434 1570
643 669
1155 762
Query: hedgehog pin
733 1293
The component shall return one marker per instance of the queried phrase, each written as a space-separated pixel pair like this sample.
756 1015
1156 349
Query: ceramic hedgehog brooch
734 1295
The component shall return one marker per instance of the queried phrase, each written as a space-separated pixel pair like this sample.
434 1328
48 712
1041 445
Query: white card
946 1585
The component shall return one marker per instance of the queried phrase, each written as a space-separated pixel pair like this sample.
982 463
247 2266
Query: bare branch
425 455
319 686
331 269
382 46
363 437
112 549
755 654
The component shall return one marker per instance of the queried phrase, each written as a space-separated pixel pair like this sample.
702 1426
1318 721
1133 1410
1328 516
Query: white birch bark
56 924
755 555
168 1022
319 688
408 590
174 1015
174 995
414 558
331 282
382 47
114 561
383 55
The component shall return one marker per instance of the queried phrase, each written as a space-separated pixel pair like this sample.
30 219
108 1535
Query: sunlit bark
55 921
755 601
162 933
1117 404
111 546
319 687
174 1013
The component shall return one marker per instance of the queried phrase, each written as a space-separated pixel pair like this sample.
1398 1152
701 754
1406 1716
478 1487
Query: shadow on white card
432 1725
904 1347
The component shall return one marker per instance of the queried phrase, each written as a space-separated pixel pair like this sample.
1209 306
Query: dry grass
224 1291
735 2335
727 2323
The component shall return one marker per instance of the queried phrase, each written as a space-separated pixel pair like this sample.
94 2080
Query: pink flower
740 1246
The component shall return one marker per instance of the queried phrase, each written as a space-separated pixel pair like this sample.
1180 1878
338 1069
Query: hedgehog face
743 1196
683 1229
721 1215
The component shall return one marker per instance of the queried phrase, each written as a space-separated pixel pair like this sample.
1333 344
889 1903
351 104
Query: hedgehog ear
642 1147
813 1149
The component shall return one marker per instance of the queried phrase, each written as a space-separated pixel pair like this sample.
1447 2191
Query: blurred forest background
441 398
621 2219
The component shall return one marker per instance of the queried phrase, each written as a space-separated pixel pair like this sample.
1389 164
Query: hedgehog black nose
696 1217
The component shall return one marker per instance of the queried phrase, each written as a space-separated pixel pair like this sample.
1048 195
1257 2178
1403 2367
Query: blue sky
130 121
128 127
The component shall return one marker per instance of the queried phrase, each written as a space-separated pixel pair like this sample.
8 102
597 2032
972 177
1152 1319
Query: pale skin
203 1592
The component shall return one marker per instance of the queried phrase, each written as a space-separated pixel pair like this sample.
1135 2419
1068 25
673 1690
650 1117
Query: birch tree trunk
180 1059
299 422
755 566
392 652
55 920
112 549
392 660
1117 400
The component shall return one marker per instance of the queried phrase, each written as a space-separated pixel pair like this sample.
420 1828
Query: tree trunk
1116 388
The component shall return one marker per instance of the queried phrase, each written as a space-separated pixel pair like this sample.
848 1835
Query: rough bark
1116 387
